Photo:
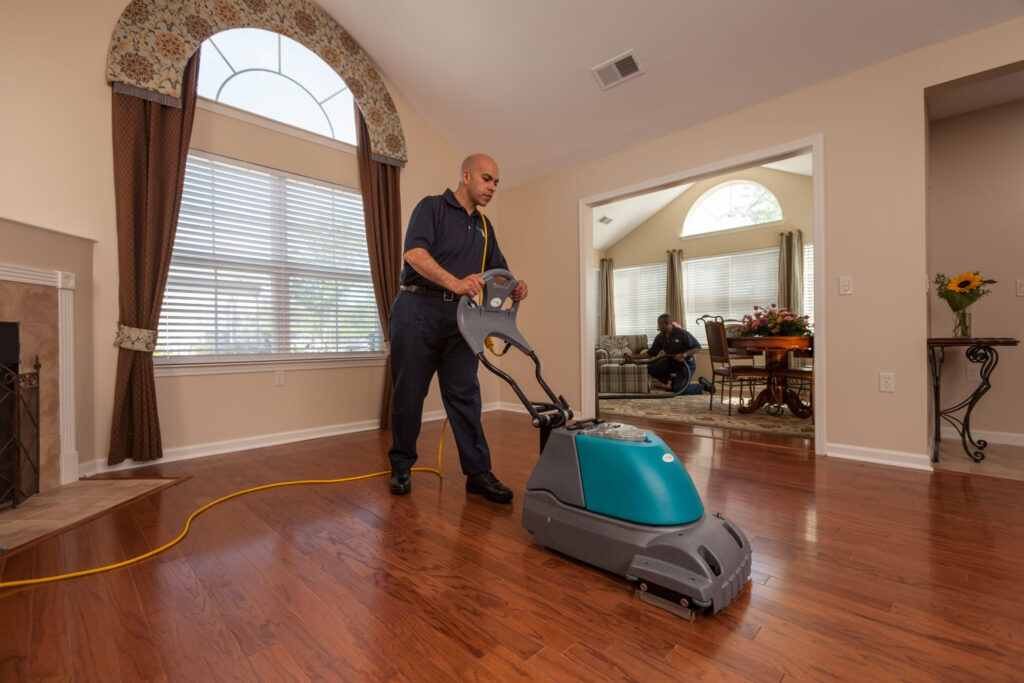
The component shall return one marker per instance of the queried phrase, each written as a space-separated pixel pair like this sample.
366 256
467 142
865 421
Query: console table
979 350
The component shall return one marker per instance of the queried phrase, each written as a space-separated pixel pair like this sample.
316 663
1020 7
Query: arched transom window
278 78
734 204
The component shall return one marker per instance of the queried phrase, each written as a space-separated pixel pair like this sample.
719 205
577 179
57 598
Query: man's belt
427 291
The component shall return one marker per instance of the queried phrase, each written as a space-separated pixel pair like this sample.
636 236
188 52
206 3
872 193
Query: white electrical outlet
887 381
973 372
1020 287
278 378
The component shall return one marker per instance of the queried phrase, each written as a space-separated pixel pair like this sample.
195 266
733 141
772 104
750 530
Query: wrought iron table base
988 357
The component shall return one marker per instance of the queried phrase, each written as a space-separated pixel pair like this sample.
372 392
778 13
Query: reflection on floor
1001 460
64 506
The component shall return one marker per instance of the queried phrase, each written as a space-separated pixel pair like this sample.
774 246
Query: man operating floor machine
613 495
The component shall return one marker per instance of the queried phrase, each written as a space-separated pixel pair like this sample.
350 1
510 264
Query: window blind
729 286
808 299
266 265
639 299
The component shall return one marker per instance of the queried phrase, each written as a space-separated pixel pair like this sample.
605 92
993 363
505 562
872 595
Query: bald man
444 250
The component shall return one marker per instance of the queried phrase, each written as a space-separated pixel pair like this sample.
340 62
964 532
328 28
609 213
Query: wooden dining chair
722 369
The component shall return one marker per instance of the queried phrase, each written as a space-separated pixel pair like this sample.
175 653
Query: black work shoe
706 385
489 487
401 482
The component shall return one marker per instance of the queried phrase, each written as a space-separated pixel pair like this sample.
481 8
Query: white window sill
186 369
730 231
257 120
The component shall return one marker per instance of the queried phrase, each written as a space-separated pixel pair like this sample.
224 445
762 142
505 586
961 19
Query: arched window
278 78
735 204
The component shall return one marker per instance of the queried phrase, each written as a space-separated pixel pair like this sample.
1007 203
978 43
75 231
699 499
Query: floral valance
154 39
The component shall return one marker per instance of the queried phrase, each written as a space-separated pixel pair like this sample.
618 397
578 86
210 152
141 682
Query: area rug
694 410
59 509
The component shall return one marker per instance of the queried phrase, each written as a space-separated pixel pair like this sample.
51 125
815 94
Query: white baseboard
250 442
1006 438
230 446
879 456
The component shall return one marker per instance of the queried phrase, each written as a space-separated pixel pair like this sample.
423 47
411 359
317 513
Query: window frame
739 228
266 122
242 363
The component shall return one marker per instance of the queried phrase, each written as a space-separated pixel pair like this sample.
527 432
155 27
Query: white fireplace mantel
65 284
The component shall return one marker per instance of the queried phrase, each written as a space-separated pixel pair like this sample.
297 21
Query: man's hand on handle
519 293
471 284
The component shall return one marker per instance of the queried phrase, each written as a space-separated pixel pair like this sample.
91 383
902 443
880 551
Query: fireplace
19 422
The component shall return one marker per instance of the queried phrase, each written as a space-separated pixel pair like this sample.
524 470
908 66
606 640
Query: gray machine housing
703 564
706 562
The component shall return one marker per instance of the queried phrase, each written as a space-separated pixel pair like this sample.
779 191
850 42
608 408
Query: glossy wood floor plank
860 571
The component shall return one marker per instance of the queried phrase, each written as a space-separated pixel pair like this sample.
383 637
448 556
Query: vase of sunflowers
960 292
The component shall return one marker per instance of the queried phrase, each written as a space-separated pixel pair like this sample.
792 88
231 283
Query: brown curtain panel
382 209
791 271
674 286
606 299
150 148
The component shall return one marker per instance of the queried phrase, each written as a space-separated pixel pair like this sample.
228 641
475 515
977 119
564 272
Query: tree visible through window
278 78
735 204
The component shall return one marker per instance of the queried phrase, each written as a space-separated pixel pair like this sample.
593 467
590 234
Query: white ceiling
627 214
513 78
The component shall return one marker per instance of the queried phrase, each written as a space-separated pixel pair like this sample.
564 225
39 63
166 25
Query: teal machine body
638 481
613 495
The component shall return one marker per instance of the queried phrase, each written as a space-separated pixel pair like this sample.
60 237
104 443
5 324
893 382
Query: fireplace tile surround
35 309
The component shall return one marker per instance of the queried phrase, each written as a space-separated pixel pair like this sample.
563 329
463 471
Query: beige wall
57 173
649 241
976 171
873 128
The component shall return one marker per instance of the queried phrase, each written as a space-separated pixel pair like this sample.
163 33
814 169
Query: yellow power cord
188 523
236 494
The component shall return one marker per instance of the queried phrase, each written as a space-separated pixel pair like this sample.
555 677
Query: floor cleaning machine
613 495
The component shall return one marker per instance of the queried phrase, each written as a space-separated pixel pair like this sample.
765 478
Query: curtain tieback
135 338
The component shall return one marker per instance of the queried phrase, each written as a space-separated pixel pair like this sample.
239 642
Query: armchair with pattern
614 377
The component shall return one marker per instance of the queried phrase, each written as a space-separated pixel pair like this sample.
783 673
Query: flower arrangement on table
960 292
774 322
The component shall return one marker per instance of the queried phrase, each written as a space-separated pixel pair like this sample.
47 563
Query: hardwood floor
861 572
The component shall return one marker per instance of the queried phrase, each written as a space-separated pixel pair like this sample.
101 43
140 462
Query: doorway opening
730 221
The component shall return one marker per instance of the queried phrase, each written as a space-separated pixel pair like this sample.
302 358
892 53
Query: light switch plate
1020 287
846 284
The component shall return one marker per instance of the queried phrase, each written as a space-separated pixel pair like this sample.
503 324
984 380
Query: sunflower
964 282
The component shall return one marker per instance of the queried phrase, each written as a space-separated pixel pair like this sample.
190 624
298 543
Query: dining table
776 352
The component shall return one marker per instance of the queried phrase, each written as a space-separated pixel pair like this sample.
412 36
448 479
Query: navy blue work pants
425 339
665 366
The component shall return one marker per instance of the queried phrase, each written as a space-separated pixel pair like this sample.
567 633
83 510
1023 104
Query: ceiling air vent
604 219
617 70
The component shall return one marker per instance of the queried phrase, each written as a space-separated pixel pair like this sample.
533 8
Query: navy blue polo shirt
676 341
454 238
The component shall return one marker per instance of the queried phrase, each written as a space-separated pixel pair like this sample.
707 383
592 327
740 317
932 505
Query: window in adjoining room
266 265
734 204
639 299
728 286
277 78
